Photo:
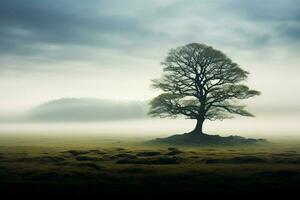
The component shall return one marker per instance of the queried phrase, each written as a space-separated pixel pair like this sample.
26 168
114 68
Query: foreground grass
130 167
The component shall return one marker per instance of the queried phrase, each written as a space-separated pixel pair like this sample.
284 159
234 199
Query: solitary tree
200 83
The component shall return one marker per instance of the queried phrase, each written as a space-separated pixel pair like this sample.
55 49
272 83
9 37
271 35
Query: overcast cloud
112 49
34 27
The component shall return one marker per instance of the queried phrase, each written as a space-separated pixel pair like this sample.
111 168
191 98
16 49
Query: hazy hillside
88 109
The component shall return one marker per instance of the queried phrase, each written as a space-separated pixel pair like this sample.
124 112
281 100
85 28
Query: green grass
93 165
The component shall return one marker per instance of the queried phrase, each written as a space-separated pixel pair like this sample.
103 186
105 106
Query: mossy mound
207 140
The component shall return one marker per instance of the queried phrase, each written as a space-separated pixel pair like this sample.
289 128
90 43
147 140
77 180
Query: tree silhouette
200 83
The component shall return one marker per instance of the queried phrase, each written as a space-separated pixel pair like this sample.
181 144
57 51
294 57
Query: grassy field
94 166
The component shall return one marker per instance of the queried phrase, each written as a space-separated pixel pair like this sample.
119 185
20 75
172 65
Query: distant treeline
87 109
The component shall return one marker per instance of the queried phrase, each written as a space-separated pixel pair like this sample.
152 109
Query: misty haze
150 98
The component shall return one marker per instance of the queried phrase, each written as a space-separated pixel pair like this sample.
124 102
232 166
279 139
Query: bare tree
200 83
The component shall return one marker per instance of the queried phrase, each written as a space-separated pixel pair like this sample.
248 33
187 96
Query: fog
272 127
112 50
110 118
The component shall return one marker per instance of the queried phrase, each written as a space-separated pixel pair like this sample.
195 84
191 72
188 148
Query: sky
52 49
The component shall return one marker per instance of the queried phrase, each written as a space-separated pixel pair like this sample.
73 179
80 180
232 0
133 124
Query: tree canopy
200 82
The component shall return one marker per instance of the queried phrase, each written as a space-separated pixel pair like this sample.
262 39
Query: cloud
267 10
56 48
32 27
27 24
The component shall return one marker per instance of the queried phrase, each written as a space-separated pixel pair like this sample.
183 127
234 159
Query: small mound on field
247 159
87 158
173 151
235 160
125 155
152 161
77 152
97 151
149 153
91 165
206 140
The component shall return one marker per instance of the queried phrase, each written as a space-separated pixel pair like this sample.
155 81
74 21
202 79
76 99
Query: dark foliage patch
4 172
45 176
132 170
42 159
287 160
108 157
247 159
149 153
125 155
77 152
91 165
213 160
173 151
97 151
280 173
87 158
235 160
152 161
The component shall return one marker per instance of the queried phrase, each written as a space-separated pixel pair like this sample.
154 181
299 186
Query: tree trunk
198 128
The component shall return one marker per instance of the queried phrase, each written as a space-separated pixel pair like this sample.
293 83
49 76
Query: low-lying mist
147 128
87 116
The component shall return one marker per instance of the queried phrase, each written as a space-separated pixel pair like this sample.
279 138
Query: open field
80 166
